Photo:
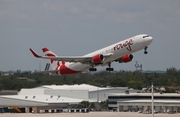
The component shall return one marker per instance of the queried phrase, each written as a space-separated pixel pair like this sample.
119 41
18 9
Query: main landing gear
109 68
92 69
145 50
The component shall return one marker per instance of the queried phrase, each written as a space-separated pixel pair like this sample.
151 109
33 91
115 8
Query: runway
90 114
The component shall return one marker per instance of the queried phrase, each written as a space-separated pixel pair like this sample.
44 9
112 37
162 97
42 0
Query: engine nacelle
97 59
126 58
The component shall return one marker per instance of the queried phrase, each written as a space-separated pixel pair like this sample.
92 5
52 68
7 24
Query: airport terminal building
56 97
164 103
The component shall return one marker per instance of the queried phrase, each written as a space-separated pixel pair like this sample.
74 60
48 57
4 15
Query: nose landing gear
145 50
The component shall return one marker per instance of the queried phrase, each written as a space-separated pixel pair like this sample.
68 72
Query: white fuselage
116 50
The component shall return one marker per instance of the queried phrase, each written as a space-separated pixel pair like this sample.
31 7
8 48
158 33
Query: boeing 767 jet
119 52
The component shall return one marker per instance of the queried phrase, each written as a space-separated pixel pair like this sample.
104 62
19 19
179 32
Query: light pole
152 89
97 94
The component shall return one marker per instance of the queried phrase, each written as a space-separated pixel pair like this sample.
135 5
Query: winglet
34 53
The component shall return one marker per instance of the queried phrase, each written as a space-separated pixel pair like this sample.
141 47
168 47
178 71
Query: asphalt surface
90 114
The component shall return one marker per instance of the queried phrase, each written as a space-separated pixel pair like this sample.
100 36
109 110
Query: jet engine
125 58
97 59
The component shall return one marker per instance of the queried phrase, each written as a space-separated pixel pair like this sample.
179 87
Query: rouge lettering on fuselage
126 44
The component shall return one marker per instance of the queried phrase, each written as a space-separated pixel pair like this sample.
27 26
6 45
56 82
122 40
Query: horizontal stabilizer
49 71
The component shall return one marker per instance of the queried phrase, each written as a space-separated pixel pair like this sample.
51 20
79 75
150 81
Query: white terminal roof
55 94
77 87
149 102
143 94
160 101
45 98
73 87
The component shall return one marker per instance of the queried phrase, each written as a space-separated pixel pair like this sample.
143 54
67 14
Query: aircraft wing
81 59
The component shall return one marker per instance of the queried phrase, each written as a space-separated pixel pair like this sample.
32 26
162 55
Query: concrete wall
31 92
100 95
160 107
80 94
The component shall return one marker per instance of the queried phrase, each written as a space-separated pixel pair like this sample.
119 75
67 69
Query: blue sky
78 27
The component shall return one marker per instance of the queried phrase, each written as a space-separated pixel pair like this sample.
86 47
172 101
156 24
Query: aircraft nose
149 39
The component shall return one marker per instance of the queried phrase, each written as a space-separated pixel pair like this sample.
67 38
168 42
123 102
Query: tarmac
90 114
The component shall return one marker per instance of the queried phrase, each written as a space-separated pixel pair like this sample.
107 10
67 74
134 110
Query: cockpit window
145 36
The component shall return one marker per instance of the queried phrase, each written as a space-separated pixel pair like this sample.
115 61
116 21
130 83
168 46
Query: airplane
119 52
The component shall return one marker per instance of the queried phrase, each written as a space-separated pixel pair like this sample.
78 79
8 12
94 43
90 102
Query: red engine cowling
126 58
97 59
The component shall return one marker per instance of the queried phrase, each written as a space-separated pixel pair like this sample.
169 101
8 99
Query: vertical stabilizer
49 53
